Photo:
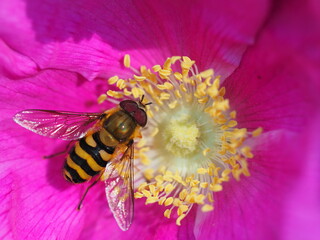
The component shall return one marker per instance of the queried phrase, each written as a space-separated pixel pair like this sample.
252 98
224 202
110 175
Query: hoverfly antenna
142 97
143 105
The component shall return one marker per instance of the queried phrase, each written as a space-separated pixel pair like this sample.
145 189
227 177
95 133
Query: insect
103 149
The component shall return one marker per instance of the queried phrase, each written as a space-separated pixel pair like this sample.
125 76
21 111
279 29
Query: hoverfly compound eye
141 117
129 106
133 109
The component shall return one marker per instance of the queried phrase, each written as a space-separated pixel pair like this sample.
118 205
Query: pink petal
15 65
36 202
90 38
277 89
276 95
279 92
148 223
253 207
302 210
5 192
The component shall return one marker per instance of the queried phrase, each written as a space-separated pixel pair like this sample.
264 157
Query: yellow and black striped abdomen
87 158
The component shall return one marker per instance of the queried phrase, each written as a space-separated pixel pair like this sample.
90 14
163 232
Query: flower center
181 135
191 144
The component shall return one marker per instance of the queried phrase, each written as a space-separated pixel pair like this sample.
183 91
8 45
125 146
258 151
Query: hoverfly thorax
121 125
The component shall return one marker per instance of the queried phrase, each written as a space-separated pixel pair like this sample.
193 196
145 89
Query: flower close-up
160 119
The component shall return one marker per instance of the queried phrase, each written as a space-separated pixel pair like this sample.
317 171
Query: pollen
257 132
102 98
126 61
191 145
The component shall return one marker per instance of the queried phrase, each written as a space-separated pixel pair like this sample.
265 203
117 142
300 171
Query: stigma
191 144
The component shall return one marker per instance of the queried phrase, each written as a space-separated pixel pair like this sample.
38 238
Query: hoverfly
104 148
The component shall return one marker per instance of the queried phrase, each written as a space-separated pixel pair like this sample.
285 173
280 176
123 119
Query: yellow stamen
207 208
207 74
202 171
215 187
156 68
168 201
137 92
102 98
206 151
139 78
257 132
148 174
113 80
173 104
126 61
151 200
204 185
174 59
178 222
168 189
121 84
178 76
246 151
167 213
167 64
233 114
114 94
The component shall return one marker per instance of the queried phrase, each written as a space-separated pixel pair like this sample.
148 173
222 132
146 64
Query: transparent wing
119 186
56 124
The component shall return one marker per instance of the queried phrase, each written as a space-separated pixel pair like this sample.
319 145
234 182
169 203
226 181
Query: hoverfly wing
57 124
119 187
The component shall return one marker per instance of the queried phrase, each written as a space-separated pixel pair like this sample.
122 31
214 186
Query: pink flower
267 55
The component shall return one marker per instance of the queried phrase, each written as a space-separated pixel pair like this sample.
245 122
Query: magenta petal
91 38
148 223
302 210
253 207
15 65
36 202
279 92
277 89
5 200
280 78
275 97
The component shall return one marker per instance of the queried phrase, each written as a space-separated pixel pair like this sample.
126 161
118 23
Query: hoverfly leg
59 153
87 190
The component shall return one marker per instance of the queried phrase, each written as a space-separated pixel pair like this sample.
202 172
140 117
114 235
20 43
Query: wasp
104 148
